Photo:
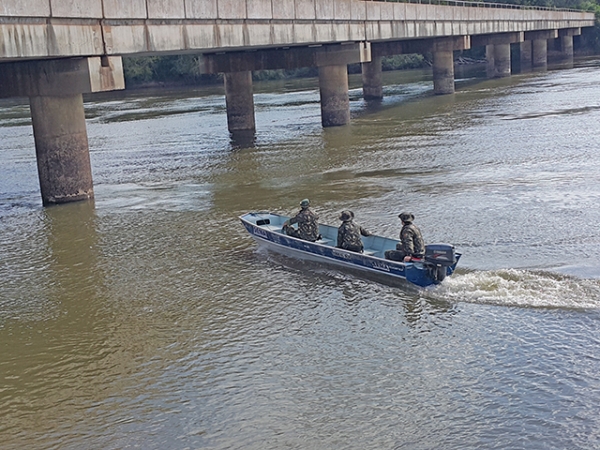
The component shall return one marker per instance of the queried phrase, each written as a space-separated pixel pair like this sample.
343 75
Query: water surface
149 318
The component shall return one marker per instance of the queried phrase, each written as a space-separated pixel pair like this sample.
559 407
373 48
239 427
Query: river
149 319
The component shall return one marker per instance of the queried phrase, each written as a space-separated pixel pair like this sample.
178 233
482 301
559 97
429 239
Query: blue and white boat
440 259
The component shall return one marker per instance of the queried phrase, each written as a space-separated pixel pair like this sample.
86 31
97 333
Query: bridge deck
63 28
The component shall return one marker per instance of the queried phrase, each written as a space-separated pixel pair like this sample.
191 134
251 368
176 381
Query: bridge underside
54 51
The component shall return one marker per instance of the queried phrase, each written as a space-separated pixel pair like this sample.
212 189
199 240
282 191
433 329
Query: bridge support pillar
61 147
372 79
335 103
55 89
332 61
539 45
443 72
501 60
240 101
526 56
443 62
566 43
497 51
566 47
490 64
540 53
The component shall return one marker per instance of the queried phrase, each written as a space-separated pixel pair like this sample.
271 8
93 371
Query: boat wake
523 288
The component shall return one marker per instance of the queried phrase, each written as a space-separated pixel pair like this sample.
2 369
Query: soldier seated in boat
308 225
411 245
349 233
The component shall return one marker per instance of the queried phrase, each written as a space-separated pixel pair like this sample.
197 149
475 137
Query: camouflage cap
406 217
305 203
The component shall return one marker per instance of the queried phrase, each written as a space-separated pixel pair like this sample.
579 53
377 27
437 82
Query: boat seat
369 252
324 241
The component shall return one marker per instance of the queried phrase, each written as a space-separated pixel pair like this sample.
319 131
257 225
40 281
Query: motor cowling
440 254
438 257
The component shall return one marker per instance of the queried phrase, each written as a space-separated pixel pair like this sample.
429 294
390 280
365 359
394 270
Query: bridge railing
480 4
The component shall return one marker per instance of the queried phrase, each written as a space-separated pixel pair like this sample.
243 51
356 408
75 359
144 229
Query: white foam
526 288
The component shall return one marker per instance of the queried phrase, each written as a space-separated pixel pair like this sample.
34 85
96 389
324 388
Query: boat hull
265 228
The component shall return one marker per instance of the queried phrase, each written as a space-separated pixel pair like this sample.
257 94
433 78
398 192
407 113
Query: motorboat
440 260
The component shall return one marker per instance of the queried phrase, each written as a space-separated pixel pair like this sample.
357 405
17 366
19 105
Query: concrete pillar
501 60
490 58
240 101
335 103
526 56
61 147
540 53
443 72
372 79
497 60
55 89
566 48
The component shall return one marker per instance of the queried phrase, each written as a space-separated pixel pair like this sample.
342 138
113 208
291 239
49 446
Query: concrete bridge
53 51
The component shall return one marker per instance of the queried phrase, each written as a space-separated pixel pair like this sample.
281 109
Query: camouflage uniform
308 225
349 234
411 241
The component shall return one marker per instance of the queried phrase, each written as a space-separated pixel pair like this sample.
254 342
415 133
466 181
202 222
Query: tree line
185 69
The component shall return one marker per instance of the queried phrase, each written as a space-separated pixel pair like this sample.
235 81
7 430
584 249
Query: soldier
349 233
308 225
411 243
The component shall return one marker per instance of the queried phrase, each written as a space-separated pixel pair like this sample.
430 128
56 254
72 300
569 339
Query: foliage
172 69
302 72
138 70
399 62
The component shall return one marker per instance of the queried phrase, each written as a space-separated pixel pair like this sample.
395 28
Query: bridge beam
55 89
285 58
540 34
420 46
569 32
482 40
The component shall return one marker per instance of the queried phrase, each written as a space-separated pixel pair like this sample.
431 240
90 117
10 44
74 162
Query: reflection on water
150 319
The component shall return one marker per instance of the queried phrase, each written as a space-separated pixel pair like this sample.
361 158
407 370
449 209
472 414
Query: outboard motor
438 257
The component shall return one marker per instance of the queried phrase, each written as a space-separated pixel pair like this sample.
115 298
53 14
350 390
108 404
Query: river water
149 319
